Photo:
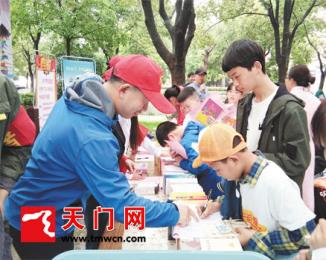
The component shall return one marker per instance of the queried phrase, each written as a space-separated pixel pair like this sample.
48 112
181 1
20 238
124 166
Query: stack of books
186 191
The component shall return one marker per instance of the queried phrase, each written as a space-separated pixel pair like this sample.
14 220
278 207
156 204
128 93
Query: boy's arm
281 241
186 164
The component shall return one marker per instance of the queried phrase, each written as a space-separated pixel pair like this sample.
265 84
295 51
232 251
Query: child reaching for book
168 132
271 202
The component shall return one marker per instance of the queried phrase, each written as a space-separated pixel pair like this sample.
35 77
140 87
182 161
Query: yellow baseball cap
216 143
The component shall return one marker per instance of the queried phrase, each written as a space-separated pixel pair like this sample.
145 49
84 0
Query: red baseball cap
111 62
143 73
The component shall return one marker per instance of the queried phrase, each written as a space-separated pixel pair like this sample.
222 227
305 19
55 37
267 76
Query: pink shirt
311 105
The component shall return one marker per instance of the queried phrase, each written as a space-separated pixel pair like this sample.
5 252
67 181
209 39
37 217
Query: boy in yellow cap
271 202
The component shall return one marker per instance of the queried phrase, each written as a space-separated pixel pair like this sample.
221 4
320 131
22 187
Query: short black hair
200 71
243 53
173 91
163 130
186 93
301 74
190 74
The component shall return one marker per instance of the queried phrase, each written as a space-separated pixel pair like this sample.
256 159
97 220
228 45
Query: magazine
211 110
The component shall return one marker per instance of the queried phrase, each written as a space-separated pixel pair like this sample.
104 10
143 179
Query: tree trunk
106 54
286 41
282 69
29 61
178 73
68 46
36 42
206 55
322 80
30 69
181 34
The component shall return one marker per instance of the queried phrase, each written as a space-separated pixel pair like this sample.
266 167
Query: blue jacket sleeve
97 166
186 164
190 136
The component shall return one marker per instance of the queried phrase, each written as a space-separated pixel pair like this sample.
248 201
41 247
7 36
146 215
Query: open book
211 109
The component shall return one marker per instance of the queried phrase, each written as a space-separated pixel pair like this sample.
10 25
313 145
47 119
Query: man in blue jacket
206 176
75 154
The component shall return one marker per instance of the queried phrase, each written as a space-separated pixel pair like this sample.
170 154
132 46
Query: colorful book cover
229 115
211 109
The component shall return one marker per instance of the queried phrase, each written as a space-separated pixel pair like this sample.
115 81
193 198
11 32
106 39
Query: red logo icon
37 224
135 217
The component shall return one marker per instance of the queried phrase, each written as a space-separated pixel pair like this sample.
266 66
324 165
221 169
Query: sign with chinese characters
46 88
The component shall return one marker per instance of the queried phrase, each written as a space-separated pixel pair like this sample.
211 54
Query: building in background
6 66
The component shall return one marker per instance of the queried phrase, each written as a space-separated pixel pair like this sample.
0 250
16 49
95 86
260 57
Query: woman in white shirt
298 84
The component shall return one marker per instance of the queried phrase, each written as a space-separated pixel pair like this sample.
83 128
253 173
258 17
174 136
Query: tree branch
277 10
190 33
273 17
151 27
233 17
178 7
296 26
321 67
181 27
287 14
31 34
166 19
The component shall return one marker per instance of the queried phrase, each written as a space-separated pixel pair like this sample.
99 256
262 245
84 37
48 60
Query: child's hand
178 159
131 166
244 235
318 237
206 209
186 214
303 254
137 175
173 153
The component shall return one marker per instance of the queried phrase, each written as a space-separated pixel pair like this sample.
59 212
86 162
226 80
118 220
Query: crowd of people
260 168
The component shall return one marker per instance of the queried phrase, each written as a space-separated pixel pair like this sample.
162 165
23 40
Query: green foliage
221 22
99 29
151 126
27 100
